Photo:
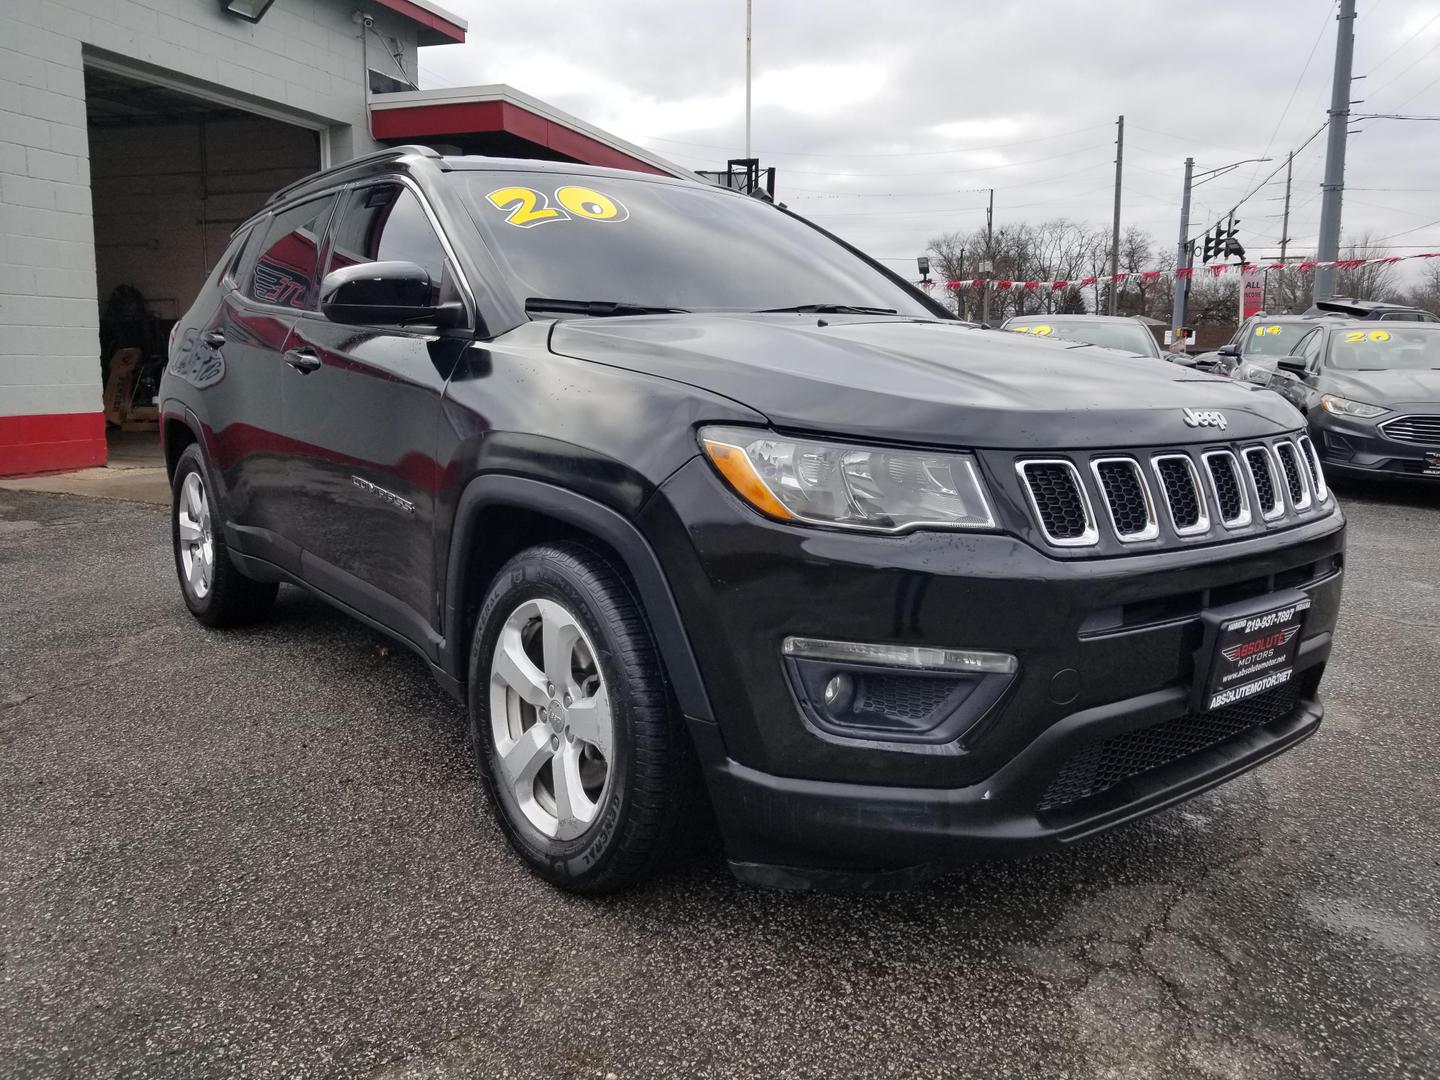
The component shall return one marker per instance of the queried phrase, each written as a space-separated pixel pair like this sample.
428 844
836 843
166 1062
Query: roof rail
387 154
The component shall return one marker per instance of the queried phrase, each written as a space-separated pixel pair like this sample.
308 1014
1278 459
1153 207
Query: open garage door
171 177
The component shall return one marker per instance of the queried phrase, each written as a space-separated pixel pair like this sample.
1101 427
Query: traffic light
1233 246
1212 245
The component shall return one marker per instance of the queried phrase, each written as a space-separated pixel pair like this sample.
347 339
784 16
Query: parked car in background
1370 393
1350 308
1119 332
1261 340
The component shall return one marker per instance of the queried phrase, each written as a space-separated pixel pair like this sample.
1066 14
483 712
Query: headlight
1345 407
854 487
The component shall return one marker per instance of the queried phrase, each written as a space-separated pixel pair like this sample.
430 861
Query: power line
1401 46
1406 68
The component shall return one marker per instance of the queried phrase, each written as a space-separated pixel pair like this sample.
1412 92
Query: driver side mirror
1230 350
1296 365
385 294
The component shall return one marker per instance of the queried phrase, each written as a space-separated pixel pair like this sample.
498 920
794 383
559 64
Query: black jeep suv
690 502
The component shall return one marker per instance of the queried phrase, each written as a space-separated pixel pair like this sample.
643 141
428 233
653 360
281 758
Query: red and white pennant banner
1148 276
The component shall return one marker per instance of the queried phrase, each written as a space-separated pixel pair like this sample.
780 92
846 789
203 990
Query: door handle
302 360
215 339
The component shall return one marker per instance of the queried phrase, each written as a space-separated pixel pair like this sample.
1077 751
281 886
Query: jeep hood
936 382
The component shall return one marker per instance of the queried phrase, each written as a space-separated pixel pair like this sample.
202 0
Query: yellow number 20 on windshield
528 207
1354 337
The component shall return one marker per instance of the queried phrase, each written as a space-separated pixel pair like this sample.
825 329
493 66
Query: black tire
229 598
652 798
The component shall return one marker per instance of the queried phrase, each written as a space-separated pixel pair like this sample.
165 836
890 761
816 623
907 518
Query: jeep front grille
1146 498
1059 501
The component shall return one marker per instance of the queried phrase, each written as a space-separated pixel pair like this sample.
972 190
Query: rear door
363 406
245 345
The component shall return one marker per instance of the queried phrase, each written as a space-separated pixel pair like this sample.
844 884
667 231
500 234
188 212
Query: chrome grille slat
1059 501
1266 478
1422 429
1297 481
1184 497
1312 462
1232 501
1127 498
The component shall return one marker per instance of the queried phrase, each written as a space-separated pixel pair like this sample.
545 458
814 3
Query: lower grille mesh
1106 762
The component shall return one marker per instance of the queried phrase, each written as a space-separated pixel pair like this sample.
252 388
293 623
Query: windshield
1125 336
1273 339
656 245
1415 348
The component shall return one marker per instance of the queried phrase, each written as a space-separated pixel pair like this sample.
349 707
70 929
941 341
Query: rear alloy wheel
579 744
214 590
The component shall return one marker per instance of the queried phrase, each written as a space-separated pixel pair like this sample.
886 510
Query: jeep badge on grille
1205 418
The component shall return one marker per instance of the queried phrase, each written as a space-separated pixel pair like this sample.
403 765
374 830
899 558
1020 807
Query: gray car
1118 332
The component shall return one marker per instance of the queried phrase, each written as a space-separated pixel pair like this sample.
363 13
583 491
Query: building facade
136 134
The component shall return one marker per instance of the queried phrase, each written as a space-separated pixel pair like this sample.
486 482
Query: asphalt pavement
261 853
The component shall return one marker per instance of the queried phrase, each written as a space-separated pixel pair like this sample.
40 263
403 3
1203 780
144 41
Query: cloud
882 122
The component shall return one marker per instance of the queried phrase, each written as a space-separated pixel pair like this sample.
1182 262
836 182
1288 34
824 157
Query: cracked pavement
261 853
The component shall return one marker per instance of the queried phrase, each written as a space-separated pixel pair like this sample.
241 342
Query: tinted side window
1310 347
387 223
285 269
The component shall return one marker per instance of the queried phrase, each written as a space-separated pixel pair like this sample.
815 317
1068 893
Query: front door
362 405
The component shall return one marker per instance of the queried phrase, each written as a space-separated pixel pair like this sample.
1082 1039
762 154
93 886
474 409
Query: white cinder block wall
303 61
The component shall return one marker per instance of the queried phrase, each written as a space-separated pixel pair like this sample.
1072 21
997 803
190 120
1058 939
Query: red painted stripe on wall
435 22
54 442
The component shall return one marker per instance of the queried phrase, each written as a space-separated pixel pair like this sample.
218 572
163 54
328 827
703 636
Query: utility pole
1182 253
988 263
1285 217
1115 229
1333 188
749 4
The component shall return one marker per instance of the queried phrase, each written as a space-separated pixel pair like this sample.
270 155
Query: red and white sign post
1252 293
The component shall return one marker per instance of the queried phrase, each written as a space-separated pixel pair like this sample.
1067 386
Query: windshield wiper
597 308
827 309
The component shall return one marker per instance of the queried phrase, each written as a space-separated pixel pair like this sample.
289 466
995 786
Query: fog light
838 692
894 693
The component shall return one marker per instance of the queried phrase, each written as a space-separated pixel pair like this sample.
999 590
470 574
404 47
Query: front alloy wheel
550 718
580 747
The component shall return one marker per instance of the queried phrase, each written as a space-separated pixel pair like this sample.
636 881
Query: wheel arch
536 511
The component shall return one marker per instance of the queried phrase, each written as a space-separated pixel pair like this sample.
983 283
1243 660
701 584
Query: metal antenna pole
1182 253
1115 230
749 4
1334 185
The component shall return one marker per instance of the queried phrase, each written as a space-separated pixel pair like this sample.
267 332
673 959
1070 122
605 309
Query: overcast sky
883 119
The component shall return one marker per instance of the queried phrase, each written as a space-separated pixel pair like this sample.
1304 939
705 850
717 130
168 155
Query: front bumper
1106 646
1358 449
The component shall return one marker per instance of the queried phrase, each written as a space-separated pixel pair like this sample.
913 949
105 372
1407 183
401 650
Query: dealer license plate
1254 653
1432 463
